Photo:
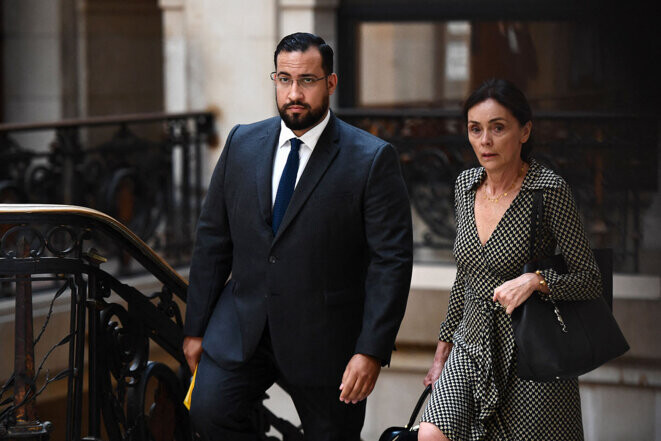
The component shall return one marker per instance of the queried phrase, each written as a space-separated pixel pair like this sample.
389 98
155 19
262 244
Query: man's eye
307 81
284 80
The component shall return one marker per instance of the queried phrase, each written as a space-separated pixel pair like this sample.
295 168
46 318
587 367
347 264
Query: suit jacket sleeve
387 218
211 264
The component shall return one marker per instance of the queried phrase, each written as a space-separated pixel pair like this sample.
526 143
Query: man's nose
295 91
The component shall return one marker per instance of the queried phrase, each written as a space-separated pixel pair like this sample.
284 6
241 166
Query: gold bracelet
541 282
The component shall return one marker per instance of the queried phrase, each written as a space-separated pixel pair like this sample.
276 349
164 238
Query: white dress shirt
309 141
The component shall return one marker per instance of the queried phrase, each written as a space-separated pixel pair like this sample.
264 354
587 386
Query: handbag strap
418 405
535 219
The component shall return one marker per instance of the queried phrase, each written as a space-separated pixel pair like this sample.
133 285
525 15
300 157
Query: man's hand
440 357
359 378
192 351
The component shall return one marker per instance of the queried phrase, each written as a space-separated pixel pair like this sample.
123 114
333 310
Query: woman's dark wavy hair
300 42
510 97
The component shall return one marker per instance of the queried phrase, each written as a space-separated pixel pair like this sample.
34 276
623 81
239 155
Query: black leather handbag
408 432
564 339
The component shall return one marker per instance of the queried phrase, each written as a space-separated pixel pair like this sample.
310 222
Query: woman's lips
488 155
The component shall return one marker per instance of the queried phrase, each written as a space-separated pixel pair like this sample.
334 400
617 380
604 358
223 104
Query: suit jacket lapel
322 156
264 170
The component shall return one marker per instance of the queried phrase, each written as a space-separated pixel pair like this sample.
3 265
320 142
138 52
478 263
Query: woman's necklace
497 198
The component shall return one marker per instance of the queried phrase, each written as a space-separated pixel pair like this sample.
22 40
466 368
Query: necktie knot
295 144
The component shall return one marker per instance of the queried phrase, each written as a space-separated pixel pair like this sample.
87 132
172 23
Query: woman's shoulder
469 178
541 177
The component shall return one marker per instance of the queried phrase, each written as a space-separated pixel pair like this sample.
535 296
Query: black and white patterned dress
479 396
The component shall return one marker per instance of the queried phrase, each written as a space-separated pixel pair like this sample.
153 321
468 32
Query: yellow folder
190 390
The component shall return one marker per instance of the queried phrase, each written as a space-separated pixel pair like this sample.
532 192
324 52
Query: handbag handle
603 256
418 405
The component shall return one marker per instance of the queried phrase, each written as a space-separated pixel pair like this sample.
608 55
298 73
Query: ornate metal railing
144 170
610 161
112 329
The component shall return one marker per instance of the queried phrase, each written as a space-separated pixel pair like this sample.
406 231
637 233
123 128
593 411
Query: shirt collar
309 138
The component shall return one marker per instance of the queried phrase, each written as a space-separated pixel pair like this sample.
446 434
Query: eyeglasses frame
274 77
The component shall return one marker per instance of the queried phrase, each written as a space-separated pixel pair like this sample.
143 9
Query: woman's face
496 135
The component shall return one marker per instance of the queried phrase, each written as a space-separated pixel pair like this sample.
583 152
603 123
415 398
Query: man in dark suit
310 218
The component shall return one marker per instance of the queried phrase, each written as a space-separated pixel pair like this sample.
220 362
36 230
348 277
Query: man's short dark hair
300 42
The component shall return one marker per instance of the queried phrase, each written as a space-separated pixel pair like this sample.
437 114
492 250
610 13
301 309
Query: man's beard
303 121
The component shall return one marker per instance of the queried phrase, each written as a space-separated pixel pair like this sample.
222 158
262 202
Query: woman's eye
474 129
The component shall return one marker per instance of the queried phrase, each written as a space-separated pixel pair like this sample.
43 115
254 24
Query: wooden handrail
136 247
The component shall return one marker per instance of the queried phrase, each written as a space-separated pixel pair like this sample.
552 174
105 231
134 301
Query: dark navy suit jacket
334 280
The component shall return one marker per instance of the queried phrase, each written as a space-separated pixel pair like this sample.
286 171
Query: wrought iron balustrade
144 170
111 330
610 161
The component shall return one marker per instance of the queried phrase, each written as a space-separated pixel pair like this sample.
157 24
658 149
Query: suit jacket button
272 259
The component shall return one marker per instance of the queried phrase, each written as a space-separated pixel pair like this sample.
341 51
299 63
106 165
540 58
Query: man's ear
331 83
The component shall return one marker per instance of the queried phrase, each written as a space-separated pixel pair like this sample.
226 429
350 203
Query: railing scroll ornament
111 331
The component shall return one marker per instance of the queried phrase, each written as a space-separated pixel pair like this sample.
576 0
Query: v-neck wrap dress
478 395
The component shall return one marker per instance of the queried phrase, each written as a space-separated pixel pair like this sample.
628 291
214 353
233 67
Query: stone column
317 16
174 54
30 40
218 56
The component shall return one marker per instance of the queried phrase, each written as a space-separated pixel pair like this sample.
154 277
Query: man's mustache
297 103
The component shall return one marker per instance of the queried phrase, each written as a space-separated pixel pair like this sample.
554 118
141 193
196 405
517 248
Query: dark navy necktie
286 185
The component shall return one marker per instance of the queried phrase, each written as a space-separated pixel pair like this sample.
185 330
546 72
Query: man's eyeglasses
285 82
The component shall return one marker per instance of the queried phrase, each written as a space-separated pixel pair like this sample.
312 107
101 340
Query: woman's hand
514 292
440 357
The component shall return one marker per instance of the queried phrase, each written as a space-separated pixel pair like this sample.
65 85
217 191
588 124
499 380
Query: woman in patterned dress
477 395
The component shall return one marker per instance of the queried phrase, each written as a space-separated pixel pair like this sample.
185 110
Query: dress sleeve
456 303
455 308
583 279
